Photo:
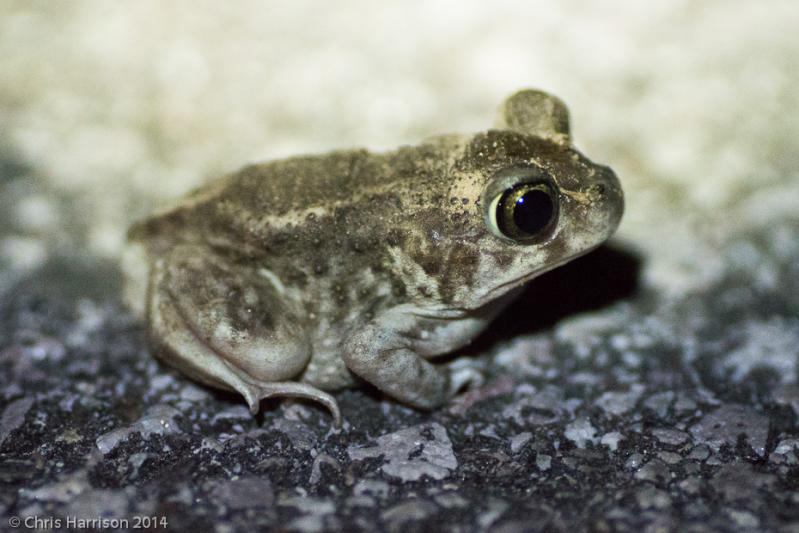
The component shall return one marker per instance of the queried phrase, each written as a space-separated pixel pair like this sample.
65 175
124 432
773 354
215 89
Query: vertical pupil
533 211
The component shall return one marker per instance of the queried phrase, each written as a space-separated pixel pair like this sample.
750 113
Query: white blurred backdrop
118 106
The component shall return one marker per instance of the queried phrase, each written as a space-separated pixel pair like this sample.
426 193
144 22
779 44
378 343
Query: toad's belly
327 371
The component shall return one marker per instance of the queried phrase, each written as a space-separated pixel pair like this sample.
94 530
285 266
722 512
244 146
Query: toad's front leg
388 354
229 326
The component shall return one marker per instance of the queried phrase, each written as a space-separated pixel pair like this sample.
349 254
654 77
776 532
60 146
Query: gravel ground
651 385
618 412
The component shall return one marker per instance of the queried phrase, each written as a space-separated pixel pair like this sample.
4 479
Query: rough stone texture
649 386
728 423
411 453
13 417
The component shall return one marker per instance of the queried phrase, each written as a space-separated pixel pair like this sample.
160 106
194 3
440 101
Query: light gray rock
408 511
768 344
317 513
787 445
673 437
727 423
655 471
744 519
192 393
235 412
451 500
670 458
493 512
94 503
135 461
660 402
158 420
14 416
314 523
650 497
245 493
691 485
517 442
306 504
740 481
612 439
581 432
411 453
618 403
62 491
699 453
634 461
543 462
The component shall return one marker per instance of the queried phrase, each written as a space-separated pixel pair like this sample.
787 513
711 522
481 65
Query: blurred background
109 109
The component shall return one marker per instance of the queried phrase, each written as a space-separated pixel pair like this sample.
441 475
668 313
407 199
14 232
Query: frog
299 277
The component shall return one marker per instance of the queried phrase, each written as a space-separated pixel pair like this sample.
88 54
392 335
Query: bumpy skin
292 277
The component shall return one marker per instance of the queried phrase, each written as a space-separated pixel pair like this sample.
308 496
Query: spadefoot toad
299 276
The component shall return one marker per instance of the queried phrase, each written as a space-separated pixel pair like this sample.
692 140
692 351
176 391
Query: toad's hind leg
228 326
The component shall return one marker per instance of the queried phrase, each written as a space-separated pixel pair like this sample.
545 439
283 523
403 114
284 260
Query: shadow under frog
603 276
295 277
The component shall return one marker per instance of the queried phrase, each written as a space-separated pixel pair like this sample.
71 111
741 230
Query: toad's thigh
235 312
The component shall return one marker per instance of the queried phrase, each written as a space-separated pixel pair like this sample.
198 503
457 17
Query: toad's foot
254 393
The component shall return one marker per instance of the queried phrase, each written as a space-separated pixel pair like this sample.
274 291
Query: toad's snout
607 198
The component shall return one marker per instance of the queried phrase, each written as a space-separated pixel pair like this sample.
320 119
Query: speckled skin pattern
292 277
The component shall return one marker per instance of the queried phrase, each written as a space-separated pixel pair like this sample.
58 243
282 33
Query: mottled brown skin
292 276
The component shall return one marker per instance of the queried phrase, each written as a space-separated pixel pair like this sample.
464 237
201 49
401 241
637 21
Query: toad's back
255 208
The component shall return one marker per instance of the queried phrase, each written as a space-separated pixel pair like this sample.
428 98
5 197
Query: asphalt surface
606 407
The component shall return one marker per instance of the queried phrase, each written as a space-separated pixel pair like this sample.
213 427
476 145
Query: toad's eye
524 212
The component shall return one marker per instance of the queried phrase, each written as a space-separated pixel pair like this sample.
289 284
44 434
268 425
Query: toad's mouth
498 291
